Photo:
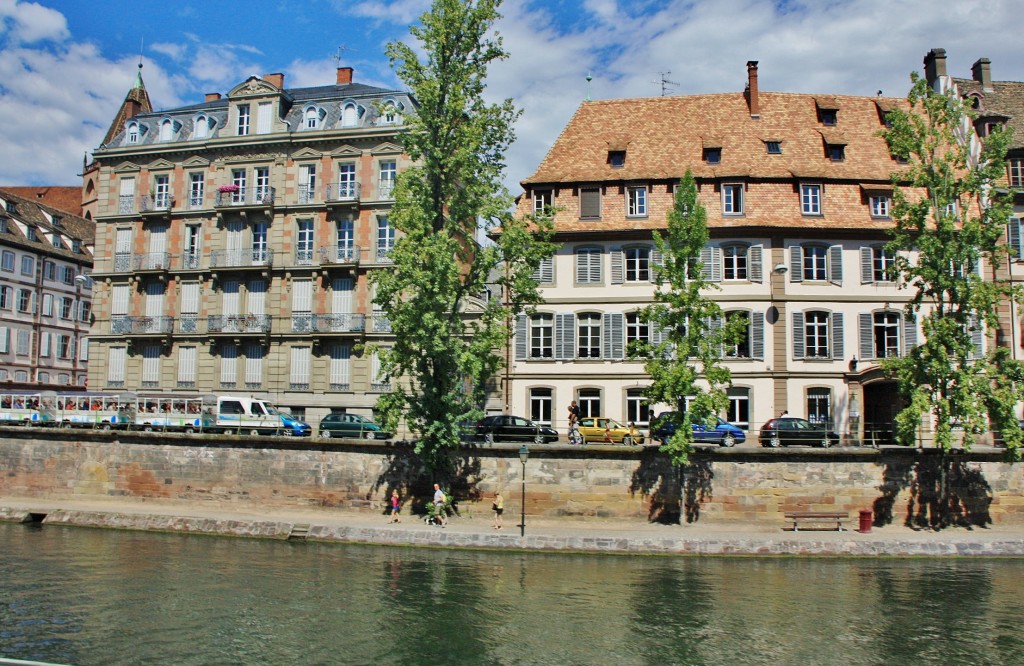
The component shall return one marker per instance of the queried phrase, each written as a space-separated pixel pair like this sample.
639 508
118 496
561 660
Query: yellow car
608 431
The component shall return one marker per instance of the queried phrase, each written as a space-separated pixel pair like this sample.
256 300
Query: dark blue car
723 434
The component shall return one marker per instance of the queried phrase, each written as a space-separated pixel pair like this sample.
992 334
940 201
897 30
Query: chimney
935 67
275 79
344 75
752 100
982 73
212 97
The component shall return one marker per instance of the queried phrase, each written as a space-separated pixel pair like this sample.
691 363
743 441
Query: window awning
827 102
712 141
876 188
833 138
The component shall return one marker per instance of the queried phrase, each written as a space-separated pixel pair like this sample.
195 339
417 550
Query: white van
252 416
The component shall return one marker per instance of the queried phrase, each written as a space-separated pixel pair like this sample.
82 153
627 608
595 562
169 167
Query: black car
787 430
507 428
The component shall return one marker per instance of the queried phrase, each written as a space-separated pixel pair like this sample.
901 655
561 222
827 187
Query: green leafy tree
684 352
950 217
435 295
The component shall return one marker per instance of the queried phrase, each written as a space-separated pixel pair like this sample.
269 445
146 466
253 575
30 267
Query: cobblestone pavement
542 534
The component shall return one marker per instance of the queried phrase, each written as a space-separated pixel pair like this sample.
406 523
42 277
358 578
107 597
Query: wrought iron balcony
238 323
384 255
241 258
303 257
339 323
152 261
188 323
306 194
381 324
159 203
386 189
125 204
302 322
122 325
257 196
191 262
342 192
339 255
196 201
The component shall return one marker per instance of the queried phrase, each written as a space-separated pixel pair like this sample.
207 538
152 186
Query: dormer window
350 115
76 246
828 109
30 233
773 147
166 130
312 117
55 240
243 119
713 155
202 127
617 158
827 116
133 133
836 152
390 114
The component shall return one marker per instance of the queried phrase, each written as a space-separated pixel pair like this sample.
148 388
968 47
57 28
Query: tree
684 350
950 217
435 296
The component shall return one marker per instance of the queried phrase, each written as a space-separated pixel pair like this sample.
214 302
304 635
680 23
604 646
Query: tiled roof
30 212
666 135
65 198
1005 99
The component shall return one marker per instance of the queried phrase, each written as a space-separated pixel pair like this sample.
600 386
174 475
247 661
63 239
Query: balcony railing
341 192
238 323
191 262
304 257
381 324
152 261
306 194
259 196
122 325
195 201
188 323
384 255
160 203
241 258
386 189
302 322
339 255
125 204
339 323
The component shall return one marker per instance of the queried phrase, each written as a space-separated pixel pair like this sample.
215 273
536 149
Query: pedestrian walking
439 501
396 507
498 506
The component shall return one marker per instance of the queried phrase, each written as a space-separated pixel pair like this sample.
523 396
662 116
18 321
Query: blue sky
66 65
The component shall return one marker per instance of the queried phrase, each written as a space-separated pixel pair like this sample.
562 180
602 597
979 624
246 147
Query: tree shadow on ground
675 492
405 471
944 492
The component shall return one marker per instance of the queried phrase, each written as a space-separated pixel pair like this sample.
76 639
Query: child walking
396 508
498 506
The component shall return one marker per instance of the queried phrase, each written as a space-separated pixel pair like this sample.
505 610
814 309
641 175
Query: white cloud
402 12
29 22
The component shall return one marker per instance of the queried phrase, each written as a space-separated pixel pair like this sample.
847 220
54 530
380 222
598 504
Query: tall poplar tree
683 353
447 326
950 218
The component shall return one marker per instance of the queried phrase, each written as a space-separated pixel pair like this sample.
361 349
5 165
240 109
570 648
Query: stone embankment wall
720 486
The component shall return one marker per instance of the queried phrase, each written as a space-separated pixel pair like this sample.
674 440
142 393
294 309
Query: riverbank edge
817 544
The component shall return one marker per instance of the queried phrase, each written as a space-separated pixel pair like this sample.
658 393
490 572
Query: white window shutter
119 300
867 265
117 362
302 295
341 373
190 298
565 336
264 114
867 336
522 337
798 335
618 266
231 301
257 301
1013 236
613 331
977 337
253 363
838 349
300 358
796 263
909 332
341 297
757 335
187 364
755 270
835 265
228 364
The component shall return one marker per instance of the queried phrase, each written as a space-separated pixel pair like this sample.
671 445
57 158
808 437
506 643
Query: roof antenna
665 82
337 56
589 79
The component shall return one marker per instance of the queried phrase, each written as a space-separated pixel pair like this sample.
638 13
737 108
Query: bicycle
574 434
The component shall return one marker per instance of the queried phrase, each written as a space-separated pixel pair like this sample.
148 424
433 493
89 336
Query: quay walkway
474 530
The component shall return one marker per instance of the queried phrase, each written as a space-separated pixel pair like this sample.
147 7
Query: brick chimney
982 73
212 97
344 75
934 67
751 92
276 79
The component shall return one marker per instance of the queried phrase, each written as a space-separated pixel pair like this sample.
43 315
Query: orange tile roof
666 135
65 198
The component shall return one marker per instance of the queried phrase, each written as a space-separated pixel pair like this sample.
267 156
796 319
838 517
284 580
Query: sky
66 65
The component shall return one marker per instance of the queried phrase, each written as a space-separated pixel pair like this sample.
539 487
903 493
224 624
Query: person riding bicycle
574 418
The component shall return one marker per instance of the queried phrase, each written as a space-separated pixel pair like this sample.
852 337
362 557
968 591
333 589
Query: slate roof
663 136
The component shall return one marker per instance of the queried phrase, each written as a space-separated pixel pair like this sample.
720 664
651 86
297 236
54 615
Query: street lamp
524 455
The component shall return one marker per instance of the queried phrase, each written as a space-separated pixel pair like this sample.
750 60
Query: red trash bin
865 521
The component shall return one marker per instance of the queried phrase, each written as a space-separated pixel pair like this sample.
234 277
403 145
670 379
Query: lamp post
524 455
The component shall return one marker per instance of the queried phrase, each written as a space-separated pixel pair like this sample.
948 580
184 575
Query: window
590 203
238 178
773 147
815 262
638 264
741 349
47 305
734 262
817 335
166 130
349 115
84 311
880 206
385 239
341 371
713 155
836 152
24 341
65 346
307 183
545 273
828 116
541 402
28 265
298 379
589 335
875 264
202 128
389 115
346 240
819 406
312 118
589 401
542 200
187 367
260 250
263 192
193 237
886 334
810 199
738 413
388 174
636 201
161 192
588 265
5 297
253 365
638 411
732 199
243 119
617 158
1016 167
818 263
45 344
133 133
264 112
637 330
197 185
304 243
67 307
116 366
24 300
541 336
7 262
347 187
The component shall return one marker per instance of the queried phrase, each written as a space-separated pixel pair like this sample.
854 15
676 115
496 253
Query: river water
84 596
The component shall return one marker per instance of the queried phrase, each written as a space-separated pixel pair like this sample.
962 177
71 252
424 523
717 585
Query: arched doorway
881 404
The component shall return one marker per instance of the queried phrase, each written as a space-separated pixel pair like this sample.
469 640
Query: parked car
593 429
508 428
787 430
339 424
723 434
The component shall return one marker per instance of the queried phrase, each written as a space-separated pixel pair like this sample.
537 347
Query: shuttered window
264 114
590 203
545 273
588 265
253 364
119 300
257 302
302 296
117 361
186 367
341 296
300 363
232 307
151 365
228 364
341 372
190 298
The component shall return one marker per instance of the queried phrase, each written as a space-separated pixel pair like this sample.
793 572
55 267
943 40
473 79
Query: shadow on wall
944 492
674 492
407 473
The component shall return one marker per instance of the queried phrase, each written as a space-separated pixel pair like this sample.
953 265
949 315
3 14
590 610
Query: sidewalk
476 531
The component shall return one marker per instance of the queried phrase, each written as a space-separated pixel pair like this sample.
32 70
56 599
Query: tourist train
129 411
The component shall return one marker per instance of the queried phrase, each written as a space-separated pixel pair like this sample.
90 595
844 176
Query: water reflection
100 597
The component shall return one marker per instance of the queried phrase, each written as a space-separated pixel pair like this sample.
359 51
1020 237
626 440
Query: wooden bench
818 517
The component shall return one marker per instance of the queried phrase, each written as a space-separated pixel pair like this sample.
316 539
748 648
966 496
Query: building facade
45 296
798 194
235 239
